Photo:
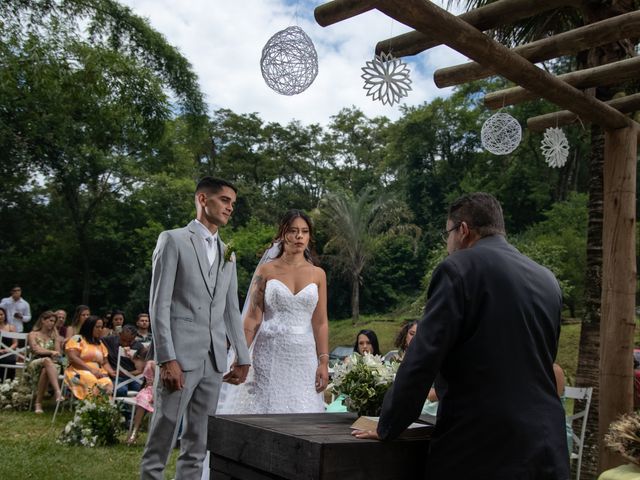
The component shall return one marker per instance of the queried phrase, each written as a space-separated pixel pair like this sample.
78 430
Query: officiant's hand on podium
366 434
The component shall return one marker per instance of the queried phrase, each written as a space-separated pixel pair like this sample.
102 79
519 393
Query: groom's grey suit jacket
193 311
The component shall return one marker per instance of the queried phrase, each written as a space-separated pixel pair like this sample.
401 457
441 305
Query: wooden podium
316 446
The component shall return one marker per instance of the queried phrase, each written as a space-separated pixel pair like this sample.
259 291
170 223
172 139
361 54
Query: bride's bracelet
320 355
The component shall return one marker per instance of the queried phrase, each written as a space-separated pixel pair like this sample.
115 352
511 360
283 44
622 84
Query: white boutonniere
230 254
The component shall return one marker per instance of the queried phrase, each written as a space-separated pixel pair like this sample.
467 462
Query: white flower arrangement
14 395
96 422
363 380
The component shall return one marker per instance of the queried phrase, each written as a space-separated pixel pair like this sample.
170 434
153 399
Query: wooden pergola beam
503 12
338 10
610 74
630 103
425 16
567 43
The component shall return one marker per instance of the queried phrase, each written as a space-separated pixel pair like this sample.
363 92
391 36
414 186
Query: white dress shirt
210 241
12 307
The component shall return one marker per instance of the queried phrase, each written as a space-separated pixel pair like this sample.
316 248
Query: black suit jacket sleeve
437 332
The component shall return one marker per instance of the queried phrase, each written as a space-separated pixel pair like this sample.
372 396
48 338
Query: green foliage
96 422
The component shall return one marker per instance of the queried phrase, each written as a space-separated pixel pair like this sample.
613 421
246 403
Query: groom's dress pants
194 403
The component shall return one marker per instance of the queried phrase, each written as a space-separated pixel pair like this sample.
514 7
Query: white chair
129 378
576 393
21 351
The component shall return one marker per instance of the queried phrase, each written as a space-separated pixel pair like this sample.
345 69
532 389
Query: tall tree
83 106
358 225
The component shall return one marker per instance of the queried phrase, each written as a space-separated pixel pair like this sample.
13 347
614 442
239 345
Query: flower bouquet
14 395
96 422
624 437
363 380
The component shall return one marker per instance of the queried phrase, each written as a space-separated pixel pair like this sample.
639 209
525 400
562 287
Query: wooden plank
618 282
425 16
609 74
338 10
567 43
503 12
630 103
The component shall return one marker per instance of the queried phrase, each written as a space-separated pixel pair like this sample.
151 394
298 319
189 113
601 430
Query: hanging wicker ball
555 147
501 134
289 61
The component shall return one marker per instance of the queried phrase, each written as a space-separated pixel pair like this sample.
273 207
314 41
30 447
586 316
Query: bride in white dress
287 328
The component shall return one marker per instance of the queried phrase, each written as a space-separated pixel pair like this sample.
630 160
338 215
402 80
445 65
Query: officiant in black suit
490 331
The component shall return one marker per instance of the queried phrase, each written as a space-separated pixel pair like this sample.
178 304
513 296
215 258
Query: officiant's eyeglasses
445 233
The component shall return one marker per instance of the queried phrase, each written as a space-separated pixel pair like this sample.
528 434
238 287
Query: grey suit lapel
201 255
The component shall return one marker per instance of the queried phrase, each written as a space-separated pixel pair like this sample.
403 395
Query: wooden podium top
308 446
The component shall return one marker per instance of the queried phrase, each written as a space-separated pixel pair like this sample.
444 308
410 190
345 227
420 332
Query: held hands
322 377
171 375
237 374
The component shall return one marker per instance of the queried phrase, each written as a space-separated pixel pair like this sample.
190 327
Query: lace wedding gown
284 358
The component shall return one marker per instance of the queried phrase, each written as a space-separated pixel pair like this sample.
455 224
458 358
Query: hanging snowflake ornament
289 61
386 78
501 134
555 147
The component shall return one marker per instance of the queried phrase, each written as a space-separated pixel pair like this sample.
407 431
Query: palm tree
358 225
552 22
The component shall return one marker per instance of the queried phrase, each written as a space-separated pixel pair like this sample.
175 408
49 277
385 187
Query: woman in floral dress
88 371
46 345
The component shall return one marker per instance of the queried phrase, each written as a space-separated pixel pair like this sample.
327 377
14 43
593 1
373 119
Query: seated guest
144 398
81 314
113 323
126 339
88 370
6 346
61 320
143 324
403 339
367 342
46 345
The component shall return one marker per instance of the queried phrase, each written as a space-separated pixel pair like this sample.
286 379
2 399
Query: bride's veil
229 393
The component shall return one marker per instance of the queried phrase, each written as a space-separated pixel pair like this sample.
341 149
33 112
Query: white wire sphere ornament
501 134
386 78
555 147
289 61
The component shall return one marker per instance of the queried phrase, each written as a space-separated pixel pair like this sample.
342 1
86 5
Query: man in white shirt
17 308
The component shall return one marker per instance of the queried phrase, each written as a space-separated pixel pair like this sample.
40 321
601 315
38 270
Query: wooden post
618 283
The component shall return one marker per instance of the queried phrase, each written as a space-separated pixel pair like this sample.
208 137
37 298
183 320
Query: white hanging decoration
501 134
289 61
555 147
386 78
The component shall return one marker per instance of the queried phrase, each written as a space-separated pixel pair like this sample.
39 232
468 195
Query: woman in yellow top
88 370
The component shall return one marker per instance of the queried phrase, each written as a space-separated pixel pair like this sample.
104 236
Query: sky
223 40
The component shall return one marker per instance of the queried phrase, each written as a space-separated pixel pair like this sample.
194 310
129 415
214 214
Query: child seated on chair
144 398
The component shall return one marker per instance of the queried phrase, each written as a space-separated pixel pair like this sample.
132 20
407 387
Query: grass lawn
30 451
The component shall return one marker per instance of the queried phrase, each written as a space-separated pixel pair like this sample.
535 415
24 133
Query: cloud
223 40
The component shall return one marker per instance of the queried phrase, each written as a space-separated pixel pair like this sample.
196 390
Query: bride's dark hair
285 223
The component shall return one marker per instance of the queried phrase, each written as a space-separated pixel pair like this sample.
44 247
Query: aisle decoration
363 380
96 422
386 78
555 147
289 61
14 395
624 437
501 134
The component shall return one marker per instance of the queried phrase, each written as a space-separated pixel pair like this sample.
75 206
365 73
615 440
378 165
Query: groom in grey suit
194 310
